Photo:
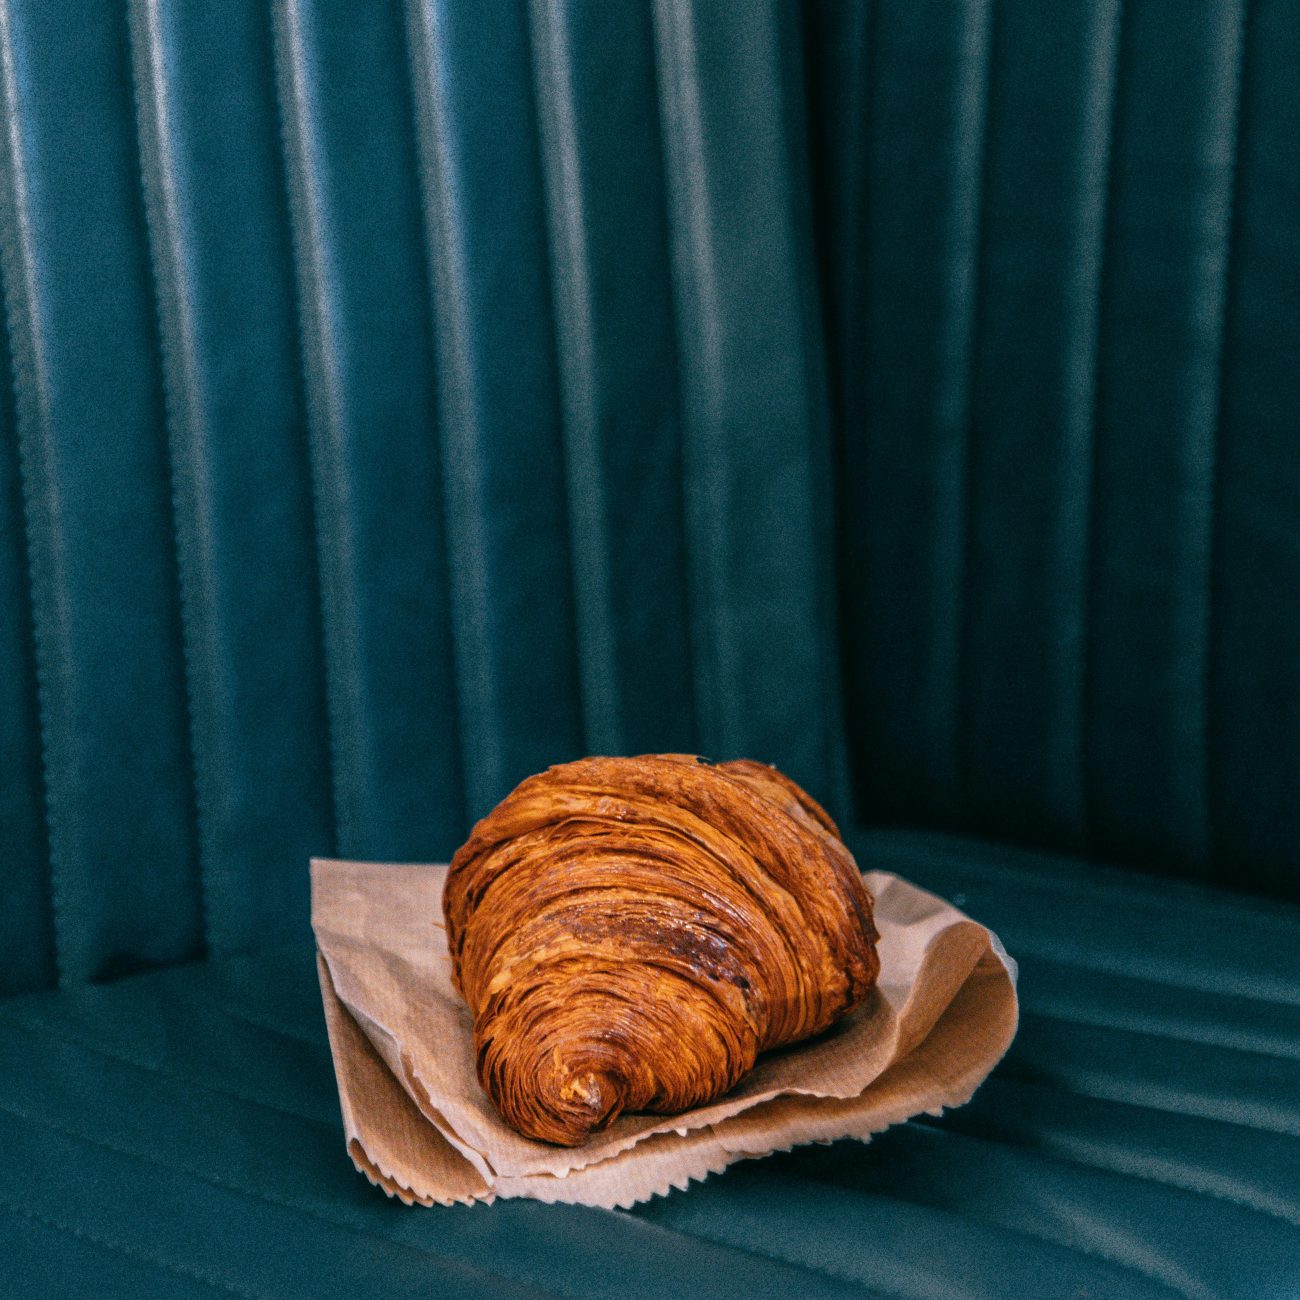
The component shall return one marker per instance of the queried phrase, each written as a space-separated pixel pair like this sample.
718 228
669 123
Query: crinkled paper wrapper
419 1125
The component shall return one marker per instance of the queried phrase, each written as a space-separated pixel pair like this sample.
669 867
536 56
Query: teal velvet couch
398 398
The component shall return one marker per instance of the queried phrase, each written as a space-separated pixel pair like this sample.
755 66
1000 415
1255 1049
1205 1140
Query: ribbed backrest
406 397
1061 250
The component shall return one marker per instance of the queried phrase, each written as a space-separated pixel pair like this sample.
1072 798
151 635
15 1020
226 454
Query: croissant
630 933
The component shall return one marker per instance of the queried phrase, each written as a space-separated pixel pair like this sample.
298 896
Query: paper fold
418 1124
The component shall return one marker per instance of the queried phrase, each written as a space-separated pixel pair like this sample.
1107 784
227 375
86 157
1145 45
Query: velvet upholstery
407 395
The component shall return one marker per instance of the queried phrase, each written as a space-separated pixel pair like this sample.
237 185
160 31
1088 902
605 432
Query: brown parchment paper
418 1124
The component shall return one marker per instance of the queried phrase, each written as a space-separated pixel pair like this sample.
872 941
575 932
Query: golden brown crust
631 932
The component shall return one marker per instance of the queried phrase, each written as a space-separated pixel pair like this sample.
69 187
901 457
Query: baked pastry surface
630 933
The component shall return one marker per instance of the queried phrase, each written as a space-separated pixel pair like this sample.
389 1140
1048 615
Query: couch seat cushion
178 1133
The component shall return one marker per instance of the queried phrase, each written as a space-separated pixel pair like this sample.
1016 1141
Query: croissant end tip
574 1104
587 1090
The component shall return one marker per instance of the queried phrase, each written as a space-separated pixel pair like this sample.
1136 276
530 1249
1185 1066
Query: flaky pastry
630 934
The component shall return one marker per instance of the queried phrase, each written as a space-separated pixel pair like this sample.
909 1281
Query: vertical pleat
216 202
838 43
838 47
27 959
369 364
97 504
499 411
1254 679
607 209
1031 422
758 514
1066 379
1162 313
904 460
408 396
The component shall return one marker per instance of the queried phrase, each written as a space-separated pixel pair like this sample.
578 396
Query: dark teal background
406 396
1061 265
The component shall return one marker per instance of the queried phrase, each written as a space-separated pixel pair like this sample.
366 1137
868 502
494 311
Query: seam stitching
149 131
962 794
1026 1232
238 1189
26 401
1039 1011
282 97
301 1037
1214 485
202 1003
132 1252
784 1257
1041 948
415 65
1091 560
1108 1089
1159 1180
60 1035
1137 1270
419 70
